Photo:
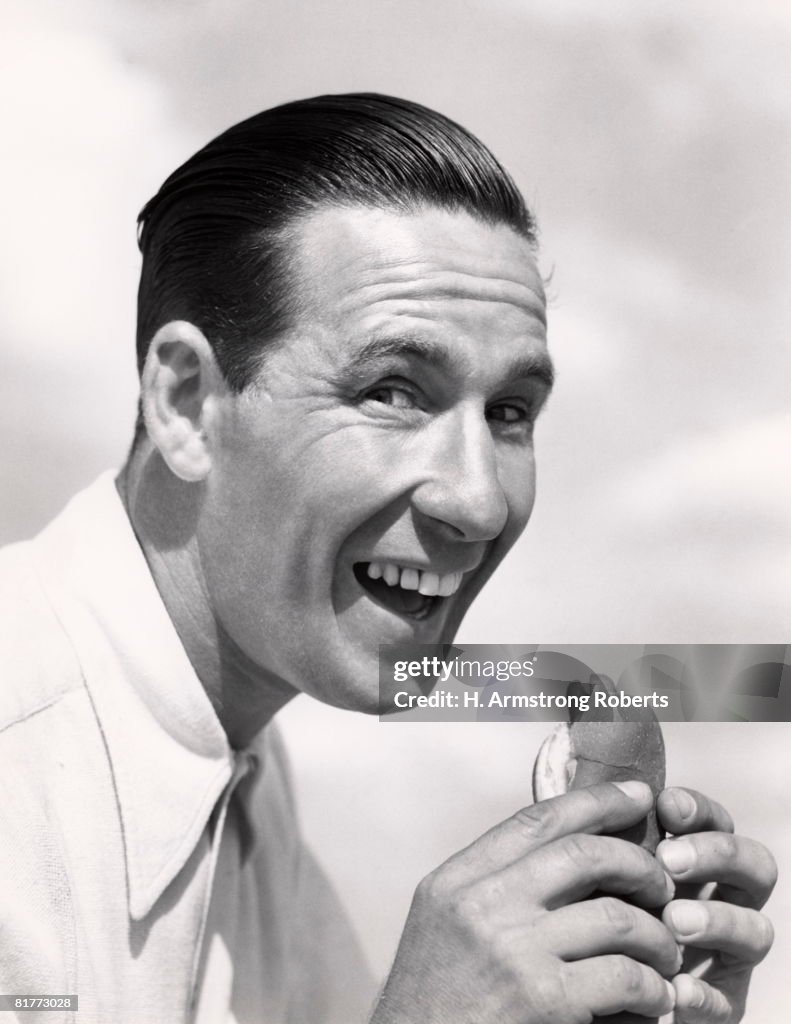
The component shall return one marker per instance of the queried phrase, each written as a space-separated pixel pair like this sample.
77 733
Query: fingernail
688 918
685 805
633 789
678 856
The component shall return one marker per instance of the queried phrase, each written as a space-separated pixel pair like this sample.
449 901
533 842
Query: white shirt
144 865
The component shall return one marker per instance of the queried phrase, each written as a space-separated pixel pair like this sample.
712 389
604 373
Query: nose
461 486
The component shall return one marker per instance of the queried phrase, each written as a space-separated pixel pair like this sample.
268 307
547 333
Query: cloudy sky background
654 142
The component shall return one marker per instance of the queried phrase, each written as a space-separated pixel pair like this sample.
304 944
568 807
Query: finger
575 866
737 932
681 811
609 807
700 1003
611 984
609 925
743 866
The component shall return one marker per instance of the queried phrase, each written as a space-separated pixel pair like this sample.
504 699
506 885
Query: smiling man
379 465
342 348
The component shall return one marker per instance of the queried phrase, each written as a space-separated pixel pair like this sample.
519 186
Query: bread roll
588 751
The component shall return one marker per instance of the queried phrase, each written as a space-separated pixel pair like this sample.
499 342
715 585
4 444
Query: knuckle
550 995
726 846
469 909
462 907
630 976
436 889
539 820
618 915
466 909
500 946
582 851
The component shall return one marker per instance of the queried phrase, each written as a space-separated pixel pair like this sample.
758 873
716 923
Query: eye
508 412
391 394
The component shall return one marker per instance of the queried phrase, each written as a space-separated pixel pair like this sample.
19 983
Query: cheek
518 479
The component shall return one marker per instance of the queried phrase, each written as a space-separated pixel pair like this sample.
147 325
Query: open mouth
406 591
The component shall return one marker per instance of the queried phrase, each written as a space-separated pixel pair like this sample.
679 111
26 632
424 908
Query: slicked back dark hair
215 239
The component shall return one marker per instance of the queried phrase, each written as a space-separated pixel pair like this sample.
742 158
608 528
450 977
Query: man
342 352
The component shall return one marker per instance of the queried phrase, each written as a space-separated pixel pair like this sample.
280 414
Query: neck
165 514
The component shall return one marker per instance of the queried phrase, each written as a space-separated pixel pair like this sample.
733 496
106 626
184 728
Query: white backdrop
654 142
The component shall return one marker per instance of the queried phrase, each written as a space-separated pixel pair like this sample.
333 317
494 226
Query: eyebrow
538 364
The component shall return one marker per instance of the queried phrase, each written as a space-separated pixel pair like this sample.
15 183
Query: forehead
357 266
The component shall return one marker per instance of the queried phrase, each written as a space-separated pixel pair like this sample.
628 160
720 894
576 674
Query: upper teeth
430 584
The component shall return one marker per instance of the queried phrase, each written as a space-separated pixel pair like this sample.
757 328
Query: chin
351 686
351 681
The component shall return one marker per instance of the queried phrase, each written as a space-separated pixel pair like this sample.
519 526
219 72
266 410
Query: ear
179 389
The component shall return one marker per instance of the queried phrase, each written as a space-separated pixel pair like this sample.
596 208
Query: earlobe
179 385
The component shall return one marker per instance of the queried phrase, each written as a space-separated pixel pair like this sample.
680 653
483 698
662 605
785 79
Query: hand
502 933
722 930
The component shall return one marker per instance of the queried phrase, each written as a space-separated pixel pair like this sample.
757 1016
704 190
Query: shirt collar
170 757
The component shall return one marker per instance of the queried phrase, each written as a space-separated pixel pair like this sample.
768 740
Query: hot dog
586 751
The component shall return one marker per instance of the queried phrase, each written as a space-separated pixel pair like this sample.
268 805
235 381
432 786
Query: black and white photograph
339 333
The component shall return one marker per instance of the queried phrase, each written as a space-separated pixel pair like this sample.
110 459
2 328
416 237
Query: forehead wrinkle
437 286
448 280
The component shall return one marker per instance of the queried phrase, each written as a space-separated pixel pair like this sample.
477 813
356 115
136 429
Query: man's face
365 488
